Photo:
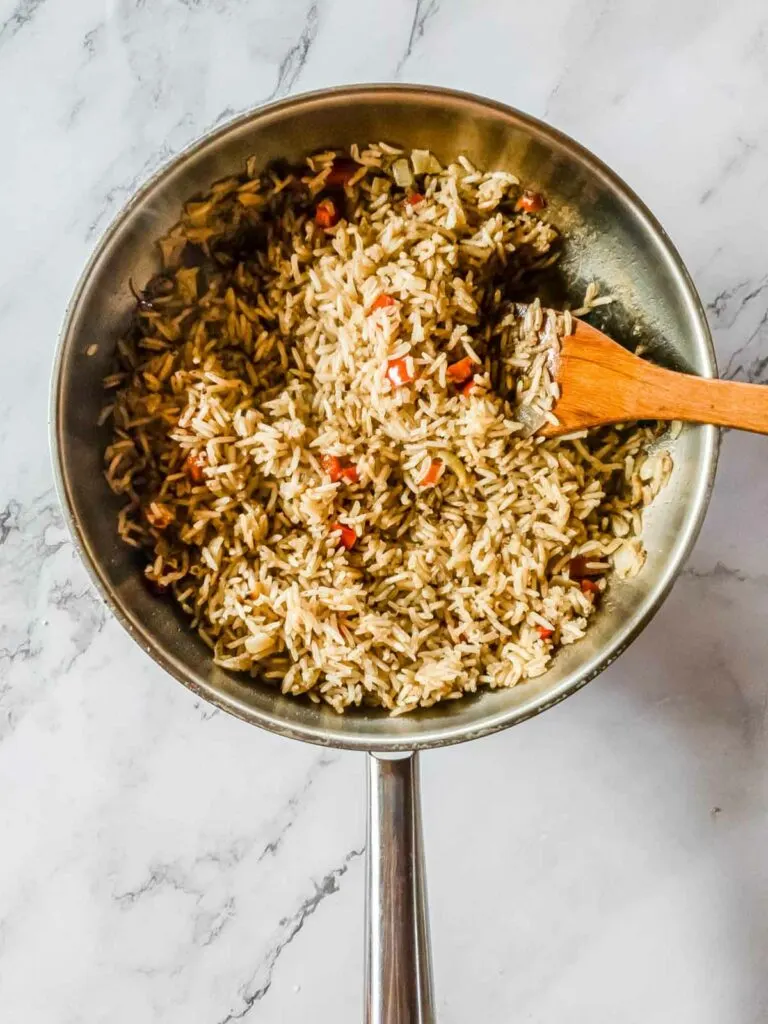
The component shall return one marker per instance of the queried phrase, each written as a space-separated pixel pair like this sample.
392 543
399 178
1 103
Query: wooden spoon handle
624 388
725 403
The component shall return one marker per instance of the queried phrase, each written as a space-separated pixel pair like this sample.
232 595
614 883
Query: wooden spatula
600 382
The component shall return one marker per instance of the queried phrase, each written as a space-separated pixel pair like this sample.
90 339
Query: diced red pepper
414 199
342 169
347 536
326 214
468 387
461 371
382 302
589 586
433 474
399 372
332 466
193 467
530 202
336 470
544 633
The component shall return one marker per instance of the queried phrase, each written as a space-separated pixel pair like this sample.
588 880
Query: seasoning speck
92 350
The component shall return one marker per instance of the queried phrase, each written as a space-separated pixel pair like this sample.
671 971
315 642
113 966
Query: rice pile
322 427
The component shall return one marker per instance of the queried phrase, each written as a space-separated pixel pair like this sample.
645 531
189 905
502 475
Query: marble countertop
160 861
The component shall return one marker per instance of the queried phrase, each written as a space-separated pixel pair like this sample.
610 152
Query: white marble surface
162 862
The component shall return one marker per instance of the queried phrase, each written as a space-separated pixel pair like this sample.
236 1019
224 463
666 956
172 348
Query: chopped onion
454 463
401 172
423 162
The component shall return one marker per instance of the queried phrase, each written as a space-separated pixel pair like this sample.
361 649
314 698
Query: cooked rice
256 356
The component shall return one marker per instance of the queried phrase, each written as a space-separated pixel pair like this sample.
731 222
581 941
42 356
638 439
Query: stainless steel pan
611 237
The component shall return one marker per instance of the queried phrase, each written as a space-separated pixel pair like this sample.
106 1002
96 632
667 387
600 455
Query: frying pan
611 238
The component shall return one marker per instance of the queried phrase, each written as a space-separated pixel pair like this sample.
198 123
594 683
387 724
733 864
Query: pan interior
611 238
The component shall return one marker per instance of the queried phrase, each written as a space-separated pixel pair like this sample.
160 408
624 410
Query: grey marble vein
21 651
88 613
224 858
32 543
206 711
30 534
119 192
224 115
730 302
92 39
293 63
162 876
744 361
735 163
72 117
9 520
208 927
22 15
422 12
294 806
722 573
260 984
588 25
718 571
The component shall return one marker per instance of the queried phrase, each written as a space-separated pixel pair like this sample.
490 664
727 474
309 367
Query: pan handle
398 967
